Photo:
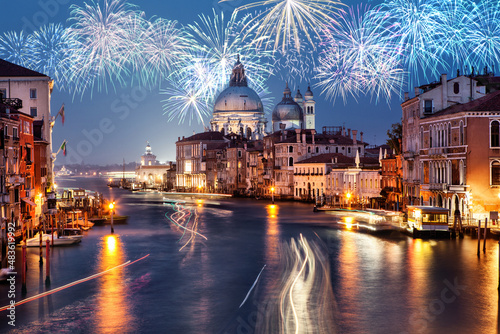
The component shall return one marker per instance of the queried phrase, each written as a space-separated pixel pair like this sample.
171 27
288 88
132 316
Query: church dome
238 96
287 109
309 93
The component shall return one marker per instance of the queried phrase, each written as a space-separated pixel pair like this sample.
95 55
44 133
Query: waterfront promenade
233 274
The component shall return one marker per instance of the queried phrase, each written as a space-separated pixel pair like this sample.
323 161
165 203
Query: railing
438 186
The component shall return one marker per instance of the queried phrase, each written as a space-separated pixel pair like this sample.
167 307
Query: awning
27 201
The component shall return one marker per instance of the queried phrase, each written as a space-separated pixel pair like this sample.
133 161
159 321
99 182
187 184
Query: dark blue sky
141 118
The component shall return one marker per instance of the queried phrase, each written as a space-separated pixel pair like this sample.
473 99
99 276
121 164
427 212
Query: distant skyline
115 125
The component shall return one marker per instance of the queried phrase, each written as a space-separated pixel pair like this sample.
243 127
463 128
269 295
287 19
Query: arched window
222 131
290 161
495 138
309 149
456 88
249 133
449 134
421 137
461 133
241 131
430 137
290 149
495 173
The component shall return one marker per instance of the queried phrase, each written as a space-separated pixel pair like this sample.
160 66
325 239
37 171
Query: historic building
33 91
460 157
429 99
336 179
391 182
238 108
153 174
282 149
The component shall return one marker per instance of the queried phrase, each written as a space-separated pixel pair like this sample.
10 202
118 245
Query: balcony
15 180
438 152
14 103
409 155
438 186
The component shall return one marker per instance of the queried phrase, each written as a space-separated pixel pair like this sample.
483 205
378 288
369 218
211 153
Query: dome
238 96
298 95
287 109
309 92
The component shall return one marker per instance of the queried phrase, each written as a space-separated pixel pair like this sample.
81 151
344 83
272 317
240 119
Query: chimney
444 90
361 136
297 131
245 146
417 91
182 137
343 131
178 138
349 133
313 132
354 136
407 96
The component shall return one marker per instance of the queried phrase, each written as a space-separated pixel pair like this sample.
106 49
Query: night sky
144 121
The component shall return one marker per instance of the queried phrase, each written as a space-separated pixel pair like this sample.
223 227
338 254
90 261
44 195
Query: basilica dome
287 109
238 96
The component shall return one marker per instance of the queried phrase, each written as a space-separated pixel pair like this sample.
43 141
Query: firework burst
286 22
416 27
15 48
359 58
483 33
104 42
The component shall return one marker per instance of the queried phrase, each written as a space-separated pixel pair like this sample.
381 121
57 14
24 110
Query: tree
395 134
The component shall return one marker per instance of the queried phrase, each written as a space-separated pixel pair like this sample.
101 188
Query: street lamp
199 188
272 194
111 207
348 196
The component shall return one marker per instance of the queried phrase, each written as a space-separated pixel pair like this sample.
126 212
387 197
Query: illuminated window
495 173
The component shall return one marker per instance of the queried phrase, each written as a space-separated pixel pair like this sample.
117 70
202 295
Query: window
290 161
33 94
456 88
290 149
348 150
495 138
3 91
317 149
34 112
427 106
495 173
449 134
461 133
309 149
15 133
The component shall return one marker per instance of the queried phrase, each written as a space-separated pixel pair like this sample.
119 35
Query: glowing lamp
111 205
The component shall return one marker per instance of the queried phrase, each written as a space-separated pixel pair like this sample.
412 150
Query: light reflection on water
380 284
114 309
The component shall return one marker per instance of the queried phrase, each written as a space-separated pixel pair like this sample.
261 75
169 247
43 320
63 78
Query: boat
427 221
58 241
116 219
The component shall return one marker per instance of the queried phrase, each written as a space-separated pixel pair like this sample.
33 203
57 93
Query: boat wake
301 300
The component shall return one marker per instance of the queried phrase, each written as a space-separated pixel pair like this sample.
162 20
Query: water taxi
429 220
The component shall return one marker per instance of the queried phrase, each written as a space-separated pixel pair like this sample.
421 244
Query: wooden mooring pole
47 262
485 231
478 238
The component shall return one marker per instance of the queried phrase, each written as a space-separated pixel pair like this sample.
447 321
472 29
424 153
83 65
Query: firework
51 45
104 44
359 58
216 43
163 47
483 33
288 21
416 26
185 101
15 48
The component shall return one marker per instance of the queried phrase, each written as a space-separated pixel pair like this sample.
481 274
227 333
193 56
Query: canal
244 266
